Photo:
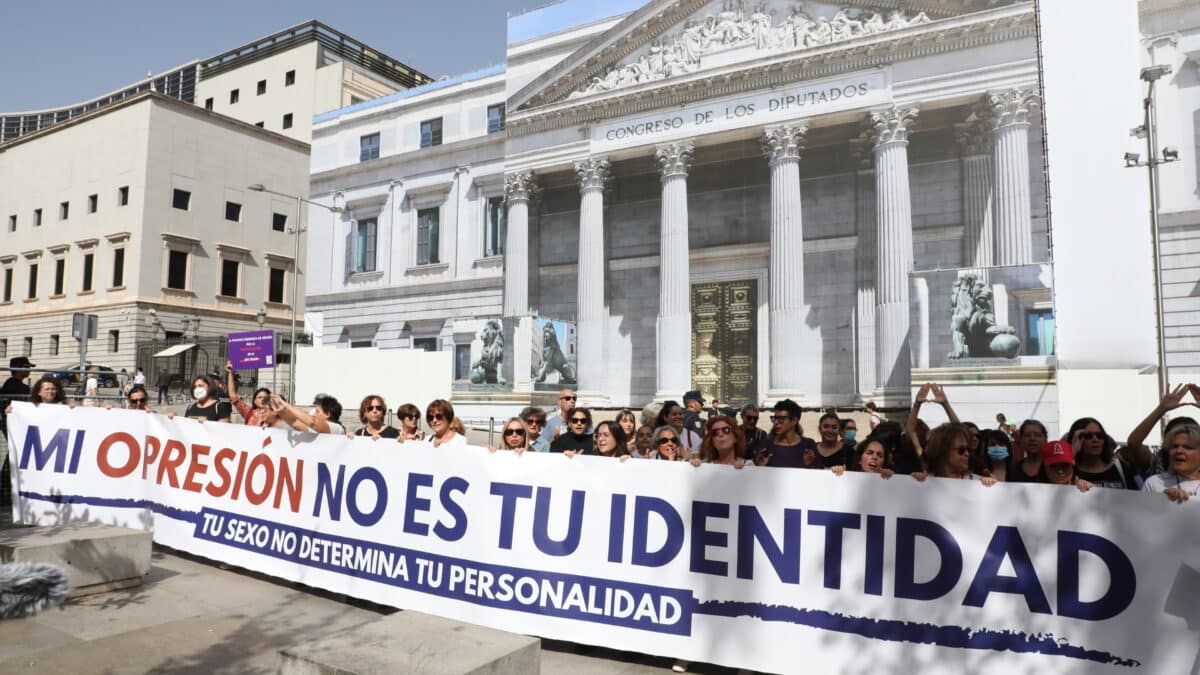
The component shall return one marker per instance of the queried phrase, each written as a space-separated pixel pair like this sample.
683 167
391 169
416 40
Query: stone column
894 253
1009 117
518 188
674 328
978 231
790 353
590 282
864 259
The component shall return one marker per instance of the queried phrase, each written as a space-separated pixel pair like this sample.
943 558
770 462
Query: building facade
730 198
139 212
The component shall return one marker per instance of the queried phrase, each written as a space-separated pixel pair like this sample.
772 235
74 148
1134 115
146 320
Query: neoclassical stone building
737 197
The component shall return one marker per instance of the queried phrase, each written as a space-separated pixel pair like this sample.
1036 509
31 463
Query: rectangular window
233 211
425 344
368 147
494 224
229 278
462 362
289 78
114 341
181 199
177 262
33 279
8 284
12 223
93 203
275 285
37 217
118 279
64 210
287 121
53 345
427 236
123 196
208 103
1040 327
233 96
362 344
364 245
262 87
279 222
89 265
60 274
28 346
495 115
3 348
431 132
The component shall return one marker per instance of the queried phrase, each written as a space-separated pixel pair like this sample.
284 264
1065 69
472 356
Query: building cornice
948 35
325 301
467 152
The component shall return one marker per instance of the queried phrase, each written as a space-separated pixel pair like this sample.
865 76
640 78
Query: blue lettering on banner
56 448
617 603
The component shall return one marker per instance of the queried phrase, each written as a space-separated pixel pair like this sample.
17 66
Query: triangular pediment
668 39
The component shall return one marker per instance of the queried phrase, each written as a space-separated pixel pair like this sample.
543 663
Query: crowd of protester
698 432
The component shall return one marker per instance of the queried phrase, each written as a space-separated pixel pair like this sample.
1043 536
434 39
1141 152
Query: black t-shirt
803 455
12 390
386 432
569 441
755 439
840 457
1112 477
218 411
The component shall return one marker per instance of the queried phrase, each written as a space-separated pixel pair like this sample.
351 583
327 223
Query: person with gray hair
755 435
1181 480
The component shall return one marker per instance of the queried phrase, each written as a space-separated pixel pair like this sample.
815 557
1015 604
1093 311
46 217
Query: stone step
420 644
96 558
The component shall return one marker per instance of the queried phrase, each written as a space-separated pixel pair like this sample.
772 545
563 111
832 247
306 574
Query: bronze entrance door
725 341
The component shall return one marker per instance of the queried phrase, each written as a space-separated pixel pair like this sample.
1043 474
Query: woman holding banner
609 440
724 443
207 408
515 436
439 414
872 458
47 390
949 454
1097 459
576 440
370 414
1182 478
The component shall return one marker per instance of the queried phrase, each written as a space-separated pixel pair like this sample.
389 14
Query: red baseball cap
1057 452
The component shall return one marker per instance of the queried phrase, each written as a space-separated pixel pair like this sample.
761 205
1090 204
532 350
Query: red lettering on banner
199 452
257 497
174 455
291 482
150 454
131 461
241 473
219 460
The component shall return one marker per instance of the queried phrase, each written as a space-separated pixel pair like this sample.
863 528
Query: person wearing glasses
560 422
755 436
258 412
576 440
438 415
672 415
666 444
535 421
787 447
948 454
515 436
138 398
1097 459
370 413
724 443
410 423
609 440
1181 480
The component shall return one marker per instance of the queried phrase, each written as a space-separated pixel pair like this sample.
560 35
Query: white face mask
200 393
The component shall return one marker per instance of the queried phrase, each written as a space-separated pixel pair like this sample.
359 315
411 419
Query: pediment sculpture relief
734 28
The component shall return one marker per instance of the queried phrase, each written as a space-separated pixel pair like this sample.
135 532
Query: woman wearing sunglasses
724 443
410 423
515 436
576 439
666 444
438 415
371 412
535 421
138 398
948 454
1097 459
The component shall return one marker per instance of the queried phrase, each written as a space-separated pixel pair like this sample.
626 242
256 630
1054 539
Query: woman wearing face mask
1181 480
207 407
439 414
849 431
609 440
997 455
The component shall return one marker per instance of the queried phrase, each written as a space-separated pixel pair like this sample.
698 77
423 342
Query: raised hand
922 394
1174 398
939 396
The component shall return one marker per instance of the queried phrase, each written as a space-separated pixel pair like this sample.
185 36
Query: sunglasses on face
750 419
535 423
412 417
780 418
1090 435
722 431
578 420
434 417
514 432
667 439
375 408
962 450
137 401
566 398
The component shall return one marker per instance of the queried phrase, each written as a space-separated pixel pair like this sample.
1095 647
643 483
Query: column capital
1010 107
891 125
593 173
784 142
862 152
520 186
674 158
973 137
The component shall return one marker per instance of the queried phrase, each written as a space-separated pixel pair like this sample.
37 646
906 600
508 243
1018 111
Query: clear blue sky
56 53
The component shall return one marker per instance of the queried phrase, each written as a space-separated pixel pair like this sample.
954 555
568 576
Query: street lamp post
300 201
1150 75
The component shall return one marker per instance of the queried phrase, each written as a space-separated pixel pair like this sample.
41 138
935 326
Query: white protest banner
777 570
